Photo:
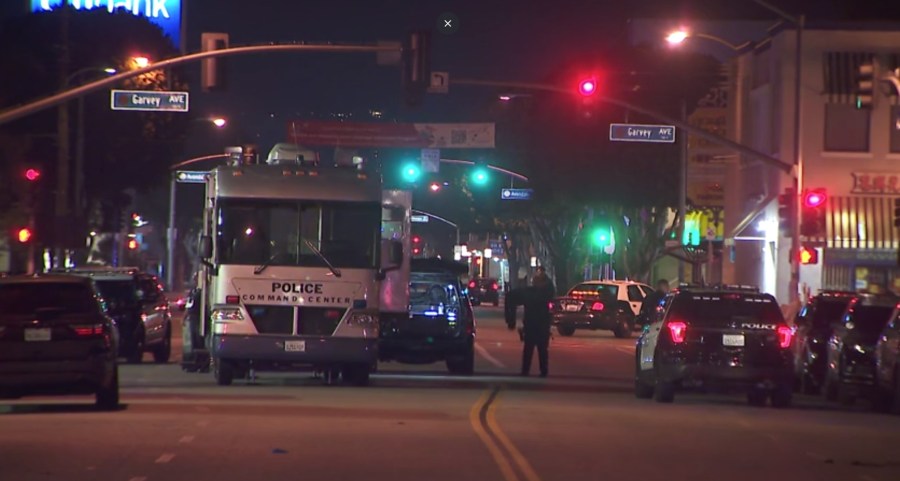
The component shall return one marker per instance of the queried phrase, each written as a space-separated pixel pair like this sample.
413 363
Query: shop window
846 128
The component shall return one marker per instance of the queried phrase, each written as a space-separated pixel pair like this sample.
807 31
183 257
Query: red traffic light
132 244
814 198
587 87
24 235
416 239
808 255
32 174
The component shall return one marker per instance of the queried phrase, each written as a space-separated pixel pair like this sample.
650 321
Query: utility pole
62 159
682 184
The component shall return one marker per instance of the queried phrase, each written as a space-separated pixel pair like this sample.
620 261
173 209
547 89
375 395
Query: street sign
149 100
516 194
420 219
431 160
664 134
191 176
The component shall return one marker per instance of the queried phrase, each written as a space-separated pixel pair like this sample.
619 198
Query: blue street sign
191 176
516 194
642 133
149 100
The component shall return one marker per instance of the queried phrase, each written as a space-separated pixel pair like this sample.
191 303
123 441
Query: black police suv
851 349
484 290
814 328
440 325
716 339
887 365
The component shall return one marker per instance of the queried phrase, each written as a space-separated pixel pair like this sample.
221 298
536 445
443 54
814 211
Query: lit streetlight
219 122
140 61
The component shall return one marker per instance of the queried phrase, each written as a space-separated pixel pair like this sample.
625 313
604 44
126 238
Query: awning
859 223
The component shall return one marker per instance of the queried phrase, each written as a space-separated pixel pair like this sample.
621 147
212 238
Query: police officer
536 321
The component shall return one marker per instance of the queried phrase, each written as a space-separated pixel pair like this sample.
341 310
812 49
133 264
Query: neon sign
166 14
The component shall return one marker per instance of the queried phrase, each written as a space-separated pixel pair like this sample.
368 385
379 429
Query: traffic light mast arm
699 132
491 167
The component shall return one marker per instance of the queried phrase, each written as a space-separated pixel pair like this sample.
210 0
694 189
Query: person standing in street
651 302
536 320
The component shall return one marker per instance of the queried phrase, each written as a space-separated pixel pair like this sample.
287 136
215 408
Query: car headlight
363 319
227 314
860 348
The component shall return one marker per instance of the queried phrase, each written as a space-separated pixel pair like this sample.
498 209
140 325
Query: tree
123 150
579 176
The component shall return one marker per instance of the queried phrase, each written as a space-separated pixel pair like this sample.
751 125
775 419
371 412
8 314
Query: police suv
716 338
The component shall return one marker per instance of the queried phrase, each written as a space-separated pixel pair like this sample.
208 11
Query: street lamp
219 122
677 37
140 61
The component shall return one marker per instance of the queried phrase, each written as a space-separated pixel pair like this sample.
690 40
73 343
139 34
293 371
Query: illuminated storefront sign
166 14
875 183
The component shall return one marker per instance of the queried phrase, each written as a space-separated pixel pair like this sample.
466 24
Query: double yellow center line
509 459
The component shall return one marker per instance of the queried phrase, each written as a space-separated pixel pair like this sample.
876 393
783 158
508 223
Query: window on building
846 128
894 128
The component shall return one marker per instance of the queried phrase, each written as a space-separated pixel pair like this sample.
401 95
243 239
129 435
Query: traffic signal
212 70
417 66
434 186
601 236
812 222
24 235
417 245
480 176
411 172
32 174
865 84
786 210
133 244
897 212
808 255
587 87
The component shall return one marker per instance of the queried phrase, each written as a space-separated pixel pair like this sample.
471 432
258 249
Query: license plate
736 340
295 346
42 334
572 307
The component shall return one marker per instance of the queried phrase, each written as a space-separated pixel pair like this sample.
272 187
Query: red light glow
598 306
587 87
785 336
32 174
24 235
813 199
677 331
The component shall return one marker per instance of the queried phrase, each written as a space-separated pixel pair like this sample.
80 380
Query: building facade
850 150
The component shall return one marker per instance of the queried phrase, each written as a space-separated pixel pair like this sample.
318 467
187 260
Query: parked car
722 338
137 303
814 328
606 305
851 349
887 365
56 338
441 323
484 290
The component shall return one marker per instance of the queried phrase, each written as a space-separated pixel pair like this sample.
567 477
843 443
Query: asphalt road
417 423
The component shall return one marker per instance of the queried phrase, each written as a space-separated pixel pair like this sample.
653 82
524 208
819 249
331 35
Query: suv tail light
597 306
785 336
472 285
495 286
88 330
677 331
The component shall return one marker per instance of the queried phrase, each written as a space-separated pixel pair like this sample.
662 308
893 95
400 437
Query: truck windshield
256 232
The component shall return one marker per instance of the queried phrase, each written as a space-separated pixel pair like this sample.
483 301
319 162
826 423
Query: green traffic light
601 236
411 172
480 176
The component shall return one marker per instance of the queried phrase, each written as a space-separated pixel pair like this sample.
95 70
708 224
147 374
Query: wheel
464 366
663 392
355 374
223 371
565 329
163 351
623 329
782 396
136 354
756 397
107 397
895 401
642 390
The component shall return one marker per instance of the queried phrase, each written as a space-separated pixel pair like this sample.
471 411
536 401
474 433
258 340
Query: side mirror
391 255
206 247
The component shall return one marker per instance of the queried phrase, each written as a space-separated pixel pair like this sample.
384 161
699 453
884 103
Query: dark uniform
536 321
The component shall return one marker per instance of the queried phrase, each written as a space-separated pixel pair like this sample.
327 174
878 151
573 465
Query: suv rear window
64 297
714 309
433 295
827 311
871 319
609 291
118 293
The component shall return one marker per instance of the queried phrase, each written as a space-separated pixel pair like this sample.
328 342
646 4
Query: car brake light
88 329
677 331
785 336
472 285
232 300
597 306
494 286
549 306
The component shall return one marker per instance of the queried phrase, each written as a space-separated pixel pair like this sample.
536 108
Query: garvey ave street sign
642 133
149 100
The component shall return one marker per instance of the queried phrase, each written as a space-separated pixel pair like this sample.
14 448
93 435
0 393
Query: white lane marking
165 458
186 439
203 424
138 478
491 359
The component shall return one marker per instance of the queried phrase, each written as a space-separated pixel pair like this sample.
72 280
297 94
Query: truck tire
223 371
464 365
356 374
107 397
163 351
